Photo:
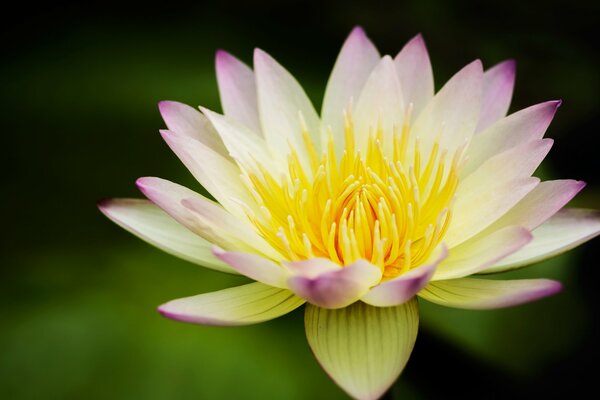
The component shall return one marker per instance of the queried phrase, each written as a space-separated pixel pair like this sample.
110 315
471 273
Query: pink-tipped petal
564 231
336 289
237 89
403 288
363 348
148 222
283 108
521 127
254 267
241 305
187 121
415 74
498 84
481 294
479 253
353 66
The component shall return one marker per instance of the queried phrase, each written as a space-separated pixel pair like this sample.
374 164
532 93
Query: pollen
390 206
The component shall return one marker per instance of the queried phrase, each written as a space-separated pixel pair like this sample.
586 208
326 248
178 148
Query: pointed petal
380 105
148 222
453 111
545 200
240 305
564 231
403 288
498 84
496 187
481 252
521 127
218 175
481 294
282 104
254 267
353 66
336 288
363 348
187 121
415 74
237 89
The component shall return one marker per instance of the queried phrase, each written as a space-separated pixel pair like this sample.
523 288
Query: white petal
521 127
353 66
254 267
333 288
363 348
415 74
403 288
480 294
237 89
187 121
498 84
380 105
481 252
150 223
565 230
241 305
282 104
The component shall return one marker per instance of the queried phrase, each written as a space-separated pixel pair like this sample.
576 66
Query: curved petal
380 105
282 105
540 204
498 84
240 305
481 252
521 127
481 294
254 267
218 175
237 89
187 121
353 66
335 288
564 231
415 74
403 288
453 111
148 222
363 348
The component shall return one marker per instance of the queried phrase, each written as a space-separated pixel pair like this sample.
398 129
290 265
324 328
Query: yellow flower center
388 206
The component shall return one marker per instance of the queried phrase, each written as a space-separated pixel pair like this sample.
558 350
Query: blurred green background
80 88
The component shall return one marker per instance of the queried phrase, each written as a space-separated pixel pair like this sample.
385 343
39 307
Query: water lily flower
391 194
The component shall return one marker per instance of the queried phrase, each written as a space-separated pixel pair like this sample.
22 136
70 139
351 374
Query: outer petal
453 111
565 230
282 104
362 348
497 186
254 267
415 74
521 127
335 288
481 252
187 121
240 305
479 294
150 223
498 84
403 288
219 175
353 66
380 105
237 89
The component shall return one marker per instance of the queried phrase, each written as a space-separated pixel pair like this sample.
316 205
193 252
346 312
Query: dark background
80 84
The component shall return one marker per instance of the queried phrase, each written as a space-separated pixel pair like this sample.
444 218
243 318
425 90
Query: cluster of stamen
388 206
